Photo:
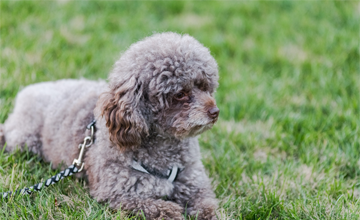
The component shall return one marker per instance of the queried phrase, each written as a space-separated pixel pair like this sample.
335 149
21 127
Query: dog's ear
120 107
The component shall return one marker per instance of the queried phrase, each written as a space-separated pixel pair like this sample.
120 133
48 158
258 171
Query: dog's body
158 99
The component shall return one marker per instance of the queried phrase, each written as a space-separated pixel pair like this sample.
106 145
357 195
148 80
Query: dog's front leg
193 190
137 194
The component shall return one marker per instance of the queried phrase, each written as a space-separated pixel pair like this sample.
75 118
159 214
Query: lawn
287 144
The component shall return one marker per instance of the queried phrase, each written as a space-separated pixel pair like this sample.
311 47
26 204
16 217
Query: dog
160 96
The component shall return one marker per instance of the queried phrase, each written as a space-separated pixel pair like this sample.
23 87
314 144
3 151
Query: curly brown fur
159 97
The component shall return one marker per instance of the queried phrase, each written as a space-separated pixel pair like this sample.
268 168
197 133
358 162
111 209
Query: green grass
287 145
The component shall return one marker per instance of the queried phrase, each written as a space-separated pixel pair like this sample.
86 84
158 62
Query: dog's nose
213 112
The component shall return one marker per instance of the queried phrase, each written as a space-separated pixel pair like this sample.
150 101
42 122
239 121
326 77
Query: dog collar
171 173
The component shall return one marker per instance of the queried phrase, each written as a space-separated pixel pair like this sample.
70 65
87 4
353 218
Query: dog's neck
162 152
158 141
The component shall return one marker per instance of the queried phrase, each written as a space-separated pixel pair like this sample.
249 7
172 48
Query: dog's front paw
204 210
164 210
170 210
204 214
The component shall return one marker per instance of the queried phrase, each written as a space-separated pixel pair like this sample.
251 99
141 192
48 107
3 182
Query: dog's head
165 84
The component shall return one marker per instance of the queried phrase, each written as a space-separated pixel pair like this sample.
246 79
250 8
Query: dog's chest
162 156
160 160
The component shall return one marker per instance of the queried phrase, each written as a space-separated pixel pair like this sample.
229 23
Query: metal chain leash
88 141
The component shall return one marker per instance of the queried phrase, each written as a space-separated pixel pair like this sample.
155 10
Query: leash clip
88 141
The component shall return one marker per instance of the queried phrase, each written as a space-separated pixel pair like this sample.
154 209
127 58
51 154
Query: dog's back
50 111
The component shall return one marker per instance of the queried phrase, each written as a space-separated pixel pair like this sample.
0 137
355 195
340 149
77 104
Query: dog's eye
180 96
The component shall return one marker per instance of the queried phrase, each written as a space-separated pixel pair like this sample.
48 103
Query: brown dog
146 155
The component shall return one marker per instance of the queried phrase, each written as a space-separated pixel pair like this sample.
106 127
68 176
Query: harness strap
171 173
137 166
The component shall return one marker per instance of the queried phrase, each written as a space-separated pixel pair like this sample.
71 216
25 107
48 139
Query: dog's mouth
213 121
198 129
193 131
192 126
